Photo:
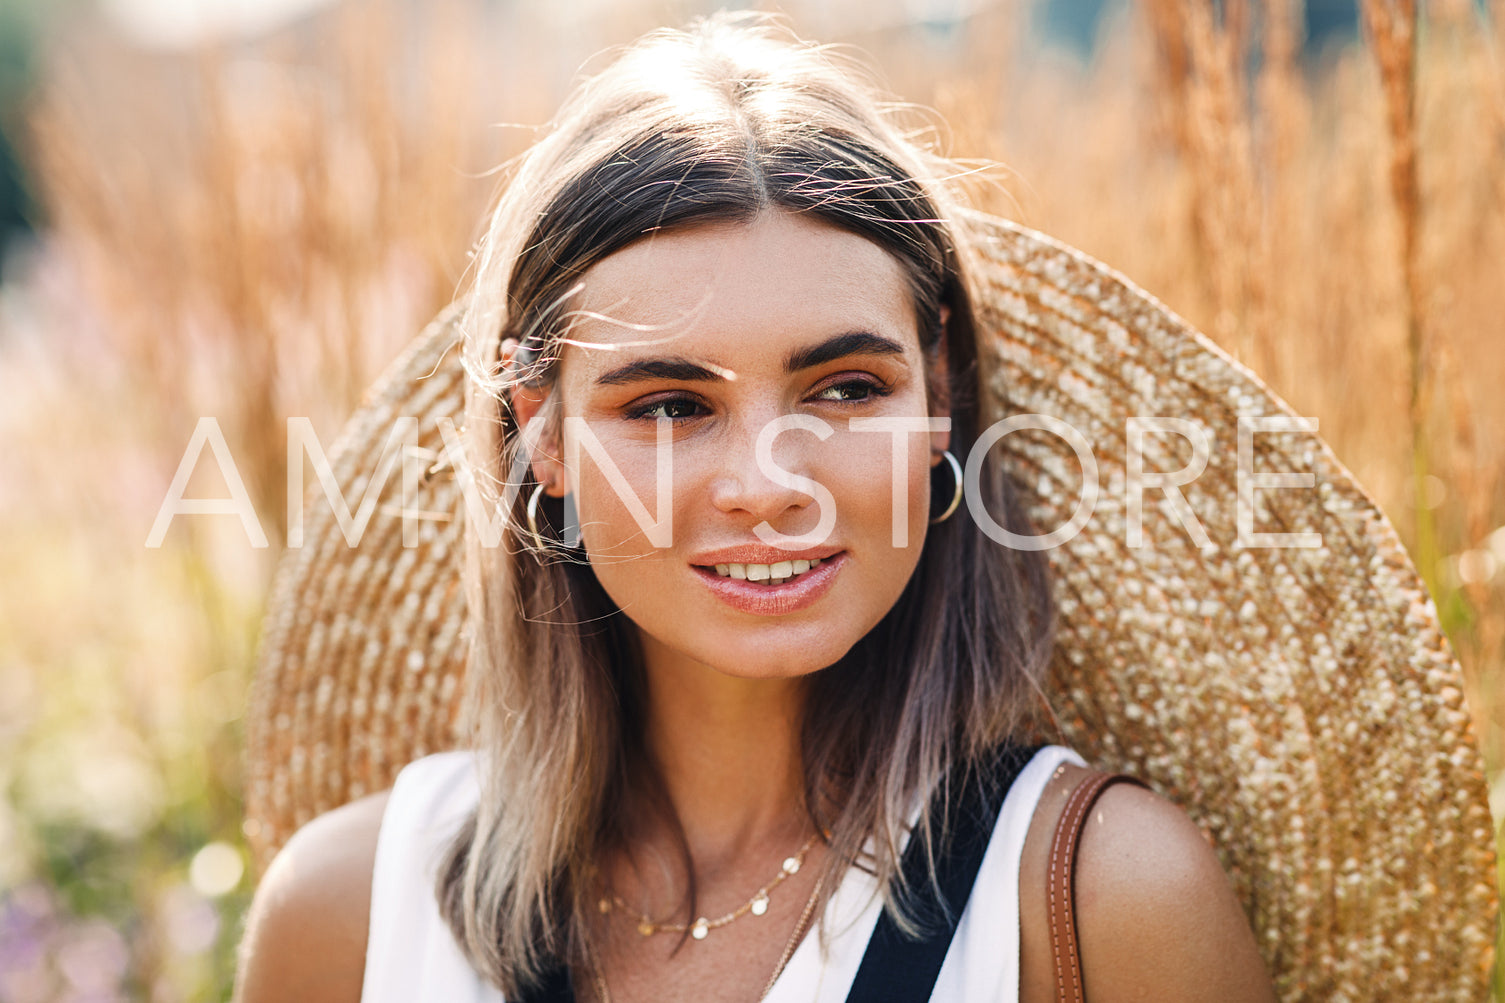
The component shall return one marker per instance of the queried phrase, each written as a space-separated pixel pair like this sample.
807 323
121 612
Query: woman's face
786 330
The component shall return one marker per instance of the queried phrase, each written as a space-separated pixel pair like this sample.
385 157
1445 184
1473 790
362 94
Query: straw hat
1301 704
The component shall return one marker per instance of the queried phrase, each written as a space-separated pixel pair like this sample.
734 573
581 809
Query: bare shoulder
1156 916
306 930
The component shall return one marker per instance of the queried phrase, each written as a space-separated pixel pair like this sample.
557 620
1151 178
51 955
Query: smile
772 574
774 589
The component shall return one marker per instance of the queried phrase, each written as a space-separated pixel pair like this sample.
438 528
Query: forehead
738 294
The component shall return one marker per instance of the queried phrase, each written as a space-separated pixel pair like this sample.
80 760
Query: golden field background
250 230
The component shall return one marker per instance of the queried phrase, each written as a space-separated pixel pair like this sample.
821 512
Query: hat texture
1300 702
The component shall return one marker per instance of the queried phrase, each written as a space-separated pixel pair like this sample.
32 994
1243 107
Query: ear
539 438
940 399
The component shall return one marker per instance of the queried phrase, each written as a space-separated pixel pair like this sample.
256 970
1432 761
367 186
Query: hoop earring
539 541
956 496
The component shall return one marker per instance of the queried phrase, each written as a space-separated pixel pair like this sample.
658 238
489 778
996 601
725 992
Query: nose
768 473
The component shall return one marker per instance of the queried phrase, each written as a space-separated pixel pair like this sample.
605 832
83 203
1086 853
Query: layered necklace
701 928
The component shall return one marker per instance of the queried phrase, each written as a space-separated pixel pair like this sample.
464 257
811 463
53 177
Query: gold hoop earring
956 496
532 511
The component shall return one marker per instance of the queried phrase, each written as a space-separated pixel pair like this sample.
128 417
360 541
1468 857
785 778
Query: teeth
774 574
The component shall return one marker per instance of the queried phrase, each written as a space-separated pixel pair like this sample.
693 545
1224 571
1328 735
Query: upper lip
760 553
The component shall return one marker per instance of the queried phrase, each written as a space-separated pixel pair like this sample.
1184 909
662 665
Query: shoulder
306 930
1156 916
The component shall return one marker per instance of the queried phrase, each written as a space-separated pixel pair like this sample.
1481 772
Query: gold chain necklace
603 994
701 927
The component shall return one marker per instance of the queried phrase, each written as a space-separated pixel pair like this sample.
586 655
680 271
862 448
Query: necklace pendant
646 928
759 904
700 929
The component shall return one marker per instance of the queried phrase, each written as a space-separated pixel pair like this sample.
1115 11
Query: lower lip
775 600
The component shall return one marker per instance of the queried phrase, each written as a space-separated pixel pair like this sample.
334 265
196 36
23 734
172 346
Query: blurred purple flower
93 957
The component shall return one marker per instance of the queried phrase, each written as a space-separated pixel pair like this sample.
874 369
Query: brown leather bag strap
1061 883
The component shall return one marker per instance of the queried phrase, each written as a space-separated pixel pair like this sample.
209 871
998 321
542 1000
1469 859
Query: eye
673 408
852 390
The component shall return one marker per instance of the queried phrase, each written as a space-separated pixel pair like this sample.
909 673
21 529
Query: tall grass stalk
254 230
1393 34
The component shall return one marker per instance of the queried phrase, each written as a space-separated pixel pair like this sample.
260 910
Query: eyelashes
683 407
673 408
869 389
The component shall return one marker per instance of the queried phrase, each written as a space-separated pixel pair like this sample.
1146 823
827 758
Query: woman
720 317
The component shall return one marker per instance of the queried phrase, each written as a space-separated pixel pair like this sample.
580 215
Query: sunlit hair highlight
718 124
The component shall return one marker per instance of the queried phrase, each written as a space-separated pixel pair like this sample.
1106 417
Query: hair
717 124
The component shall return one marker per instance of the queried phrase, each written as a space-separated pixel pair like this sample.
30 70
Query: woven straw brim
1301 704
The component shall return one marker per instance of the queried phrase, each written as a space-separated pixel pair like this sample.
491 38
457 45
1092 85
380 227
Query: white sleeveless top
411 957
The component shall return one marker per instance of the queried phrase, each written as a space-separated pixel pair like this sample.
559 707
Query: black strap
898 969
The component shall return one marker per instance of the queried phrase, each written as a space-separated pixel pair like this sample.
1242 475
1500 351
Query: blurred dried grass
250 232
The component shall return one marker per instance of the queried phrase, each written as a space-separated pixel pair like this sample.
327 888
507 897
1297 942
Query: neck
729 752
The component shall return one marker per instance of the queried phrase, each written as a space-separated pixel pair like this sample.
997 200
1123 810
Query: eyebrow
851 343
680 369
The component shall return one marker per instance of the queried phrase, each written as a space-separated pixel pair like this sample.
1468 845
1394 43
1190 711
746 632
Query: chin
771 670
791 663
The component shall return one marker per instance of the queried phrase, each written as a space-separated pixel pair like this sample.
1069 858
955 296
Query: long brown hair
719 123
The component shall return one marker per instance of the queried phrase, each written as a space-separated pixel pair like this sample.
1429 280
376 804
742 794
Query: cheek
919 479
618 501
619 550
873 479
888 553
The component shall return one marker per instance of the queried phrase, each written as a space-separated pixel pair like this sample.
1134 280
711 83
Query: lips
757 553
772 574
772 594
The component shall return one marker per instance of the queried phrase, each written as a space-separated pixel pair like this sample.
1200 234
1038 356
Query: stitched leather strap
1061 883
